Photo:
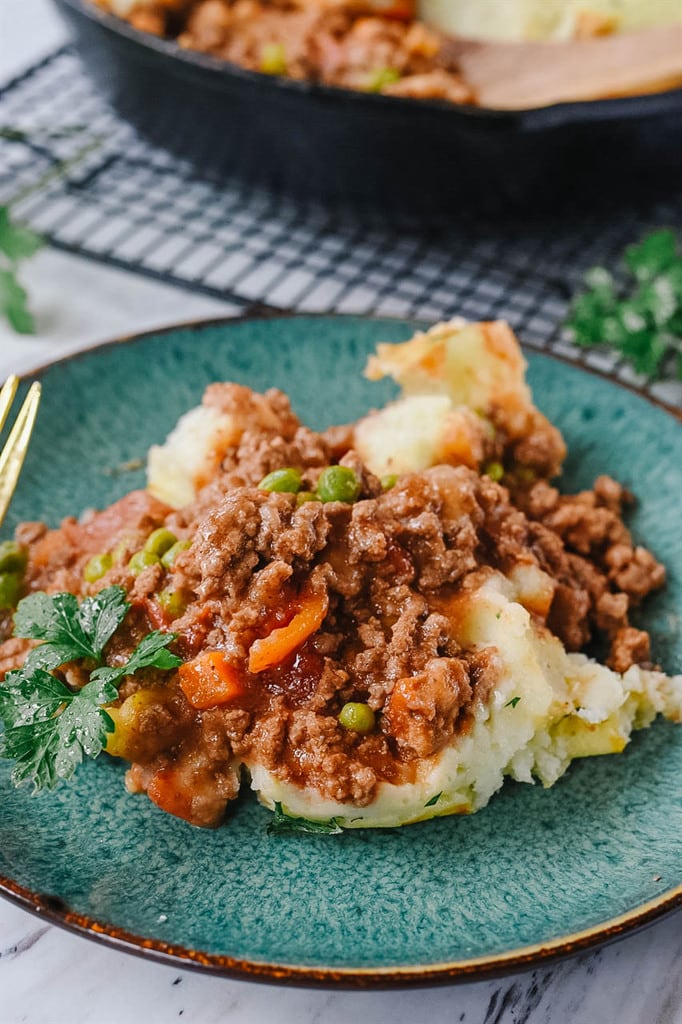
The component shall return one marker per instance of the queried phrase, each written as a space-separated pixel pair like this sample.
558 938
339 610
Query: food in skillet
494 54
519 20
370 626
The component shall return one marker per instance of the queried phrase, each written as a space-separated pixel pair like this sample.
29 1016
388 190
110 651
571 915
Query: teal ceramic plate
538 873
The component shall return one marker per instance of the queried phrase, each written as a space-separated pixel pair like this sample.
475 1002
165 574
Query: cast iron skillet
408 156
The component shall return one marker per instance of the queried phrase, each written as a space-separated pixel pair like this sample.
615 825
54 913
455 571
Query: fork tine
9 390
14 452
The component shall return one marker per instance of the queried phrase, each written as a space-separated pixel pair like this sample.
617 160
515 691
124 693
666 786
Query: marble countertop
48 976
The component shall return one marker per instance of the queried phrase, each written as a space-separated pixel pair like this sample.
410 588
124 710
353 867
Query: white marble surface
48 976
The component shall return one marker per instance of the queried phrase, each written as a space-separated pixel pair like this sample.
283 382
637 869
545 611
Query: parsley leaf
283 822
14 303
16 244
654 254
70 631
643 321
151 652
101 615
434 800
50 728
513 702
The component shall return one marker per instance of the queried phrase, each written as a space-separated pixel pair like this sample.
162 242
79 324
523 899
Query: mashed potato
464 400
548 708
518 20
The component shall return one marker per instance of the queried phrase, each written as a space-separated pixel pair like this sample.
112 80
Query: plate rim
524 958
527 957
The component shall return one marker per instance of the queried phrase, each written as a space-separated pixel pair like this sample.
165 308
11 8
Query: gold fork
13 454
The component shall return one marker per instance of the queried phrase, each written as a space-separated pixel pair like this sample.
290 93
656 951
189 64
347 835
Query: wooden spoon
513 76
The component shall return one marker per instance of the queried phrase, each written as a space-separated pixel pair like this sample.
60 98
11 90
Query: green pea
141 560
495 470
173 603
273 59
389 480
97 567
338 483
160 541
381 78
168 557
10 589
358 717
303 496
13 557
287 481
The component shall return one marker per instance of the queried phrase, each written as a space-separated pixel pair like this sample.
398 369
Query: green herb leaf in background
14 303
642 321
16 244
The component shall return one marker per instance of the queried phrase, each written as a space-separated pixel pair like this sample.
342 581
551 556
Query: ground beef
423 708
58 556
582 542
384 569
336 42
533 444
13 650
324 761
629 646
611 611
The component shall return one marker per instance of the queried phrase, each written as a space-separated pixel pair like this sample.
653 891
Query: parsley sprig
48 727
643 321
17 243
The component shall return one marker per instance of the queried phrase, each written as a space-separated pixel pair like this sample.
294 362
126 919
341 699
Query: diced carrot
209 680
278 645
168 793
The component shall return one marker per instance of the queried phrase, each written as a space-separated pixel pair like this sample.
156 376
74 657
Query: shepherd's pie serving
368 626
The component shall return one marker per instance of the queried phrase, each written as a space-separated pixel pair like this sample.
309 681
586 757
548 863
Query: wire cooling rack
84 178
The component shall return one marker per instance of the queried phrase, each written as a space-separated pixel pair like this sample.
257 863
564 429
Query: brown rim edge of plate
54 910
